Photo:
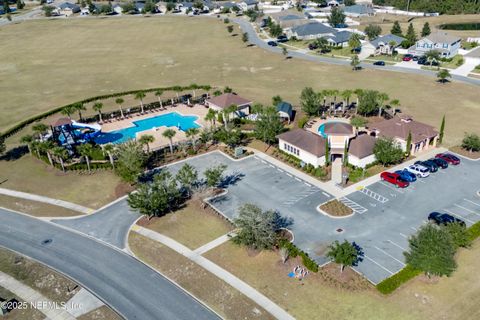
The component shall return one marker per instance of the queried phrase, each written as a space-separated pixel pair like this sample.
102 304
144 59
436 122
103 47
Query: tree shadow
443 81
15 153
360 254
282 222
250 45
231 179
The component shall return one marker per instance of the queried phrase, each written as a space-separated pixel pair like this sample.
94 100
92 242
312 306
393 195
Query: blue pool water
321 128
172 119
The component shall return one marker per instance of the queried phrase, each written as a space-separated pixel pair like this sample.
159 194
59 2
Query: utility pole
408 5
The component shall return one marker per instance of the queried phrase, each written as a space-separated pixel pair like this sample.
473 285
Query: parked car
407 57
407 175
418 170
325 50
444 219
272 43
440 163
356 50
312 46
379 63
450 158
429 164
282 38
415 58
394 179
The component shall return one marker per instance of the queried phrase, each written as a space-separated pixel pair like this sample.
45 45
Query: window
285 146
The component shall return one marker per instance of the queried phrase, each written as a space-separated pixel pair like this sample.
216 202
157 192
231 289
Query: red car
394 178
450 158
407 58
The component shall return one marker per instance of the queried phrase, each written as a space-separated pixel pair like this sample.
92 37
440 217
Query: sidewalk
46 306
55 202
214 243
221 273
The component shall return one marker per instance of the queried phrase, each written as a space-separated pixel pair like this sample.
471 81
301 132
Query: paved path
55 202
82 303
128 286
30 295
226 276
213 244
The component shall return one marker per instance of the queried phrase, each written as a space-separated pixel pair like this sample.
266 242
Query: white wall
355 161
303 155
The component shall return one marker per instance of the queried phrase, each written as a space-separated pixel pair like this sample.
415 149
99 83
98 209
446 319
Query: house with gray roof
68 8
447 45
246 5
359 10
339 39
382 45
310 31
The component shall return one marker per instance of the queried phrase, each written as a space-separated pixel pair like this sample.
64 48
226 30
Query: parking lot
384 216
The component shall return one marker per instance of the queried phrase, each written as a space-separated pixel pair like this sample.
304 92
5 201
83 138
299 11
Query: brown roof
362 146
337 128
61 122
399 127
305 140
227 99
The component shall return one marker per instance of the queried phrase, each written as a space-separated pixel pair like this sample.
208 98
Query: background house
247 5
382 45
225 100
359 10
445 44
310 31
67 9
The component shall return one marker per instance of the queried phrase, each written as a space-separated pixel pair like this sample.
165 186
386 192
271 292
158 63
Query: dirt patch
123 189
348 279
336 208
102 313
471 155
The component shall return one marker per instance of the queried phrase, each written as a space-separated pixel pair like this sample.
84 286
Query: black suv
444 219
440 162
432 166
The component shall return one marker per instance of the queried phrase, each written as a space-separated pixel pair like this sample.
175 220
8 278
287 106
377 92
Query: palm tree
79 107
443 74
98 106
61 154
169 134
86 150
355 62
394 104
120 101
192 132
68 111
346 95
139 96
40 129
194 87
334 93
146 139
159 94
47 147
109 149
27 139
226 114
358 93
211 116
177 90
382 98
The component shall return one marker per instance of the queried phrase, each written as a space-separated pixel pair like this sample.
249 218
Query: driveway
384 216
131 288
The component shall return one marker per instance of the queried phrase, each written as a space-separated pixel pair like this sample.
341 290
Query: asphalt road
122 282
254 39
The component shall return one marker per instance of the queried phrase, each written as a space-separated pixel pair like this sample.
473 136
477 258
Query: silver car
418 170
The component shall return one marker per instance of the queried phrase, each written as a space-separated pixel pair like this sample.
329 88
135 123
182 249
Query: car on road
282 38
418 170
394 179
406 175
379 63
325 50
440 162
450 158
429 164
407 57
444 219
272 43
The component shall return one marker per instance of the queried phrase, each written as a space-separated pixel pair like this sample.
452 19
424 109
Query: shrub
471 142
293 252
302 121
391 284
473 231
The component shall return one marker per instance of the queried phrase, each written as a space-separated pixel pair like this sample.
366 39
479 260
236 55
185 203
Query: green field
59 61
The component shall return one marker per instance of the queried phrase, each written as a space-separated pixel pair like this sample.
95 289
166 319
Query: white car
418 170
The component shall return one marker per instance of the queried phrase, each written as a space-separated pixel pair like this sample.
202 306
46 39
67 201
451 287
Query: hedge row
391 284
293 252
473 231
46 114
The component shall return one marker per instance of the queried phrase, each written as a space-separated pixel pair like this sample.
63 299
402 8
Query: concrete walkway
45 305
55 202
221 273
214 243
337 168
82 303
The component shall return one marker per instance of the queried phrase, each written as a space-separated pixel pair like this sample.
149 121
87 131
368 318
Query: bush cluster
391 284
293 252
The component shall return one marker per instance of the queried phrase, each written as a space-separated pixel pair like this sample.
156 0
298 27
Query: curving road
253 38
128 286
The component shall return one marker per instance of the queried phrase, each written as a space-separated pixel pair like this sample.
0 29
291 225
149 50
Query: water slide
95 127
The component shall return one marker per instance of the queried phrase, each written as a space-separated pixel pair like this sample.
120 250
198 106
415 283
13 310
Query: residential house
339 39
440 41
398 128
382 45
221 102
310 31
359 10
246 5
117 8
67 9
285 111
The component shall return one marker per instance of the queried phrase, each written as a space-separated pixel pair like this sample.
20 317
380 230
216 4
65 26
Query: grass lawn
19 314
34 208
456 297
29 174
128 55
40 278
192 226
217 294
102 313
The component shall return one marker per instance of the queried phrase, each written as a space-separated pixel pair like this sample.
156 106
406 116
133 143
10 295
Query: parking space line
288 174
466 209
298 179
374 195
472 202
414 229
326 194
280 170
397 245
378 264
403 235
353 205
308 184
263 161
420 180
271 166
459 216
386 253
390 187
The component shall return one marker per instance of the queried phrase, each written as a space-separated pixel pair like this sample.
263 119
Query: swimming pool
335 128
172 119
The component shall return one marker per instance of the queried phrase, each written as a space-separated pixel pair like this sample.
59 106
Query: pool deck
160 141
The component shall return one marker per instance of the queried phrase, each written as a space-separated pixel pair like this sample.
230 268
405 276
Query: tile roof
305 140
227 99
362 146
400 126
